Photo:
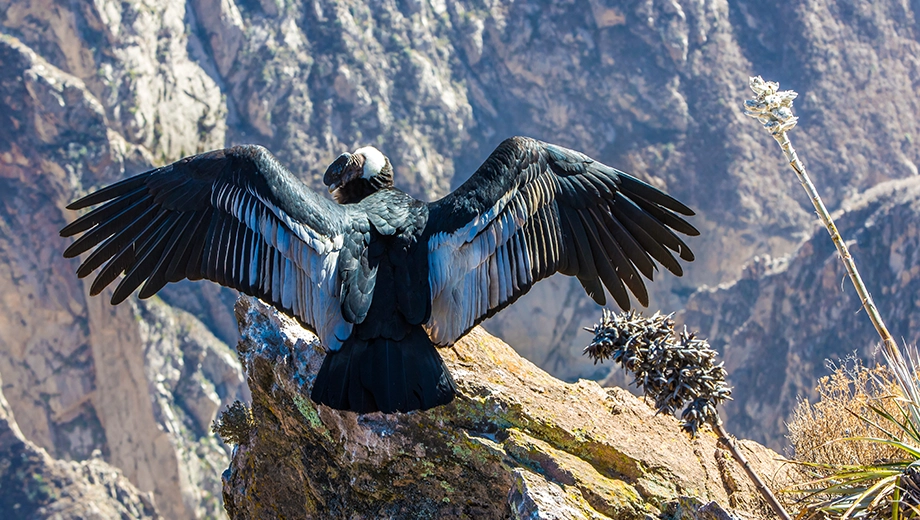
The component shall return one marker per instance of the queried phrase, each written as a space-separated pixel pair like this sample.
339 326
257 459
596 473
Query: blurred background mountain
91 92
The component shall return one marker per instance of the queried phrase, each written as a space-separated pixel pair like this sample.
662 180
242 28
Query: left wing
534 209
236 217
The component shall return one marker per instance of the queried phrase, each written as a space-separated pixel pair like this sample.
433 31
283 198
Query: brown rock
137 384
34 485
515 441
660 95
103 89
138 60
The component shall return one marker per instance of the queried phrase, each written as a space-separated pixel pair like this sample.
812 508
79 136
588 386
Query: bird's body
391 273
382 277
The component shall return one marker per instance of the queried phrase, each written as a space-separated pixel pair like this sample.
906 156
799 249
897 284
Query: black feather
667 218
158 277
178 262
106 229
648 242
117 242
586 267
148 254
110 192
617 265
631 185
612 231
383 375
195 265
103 213
115 266
651 225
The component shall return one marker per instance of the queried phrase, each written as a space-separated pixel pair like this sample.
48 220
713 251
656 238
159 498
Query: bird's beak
333 175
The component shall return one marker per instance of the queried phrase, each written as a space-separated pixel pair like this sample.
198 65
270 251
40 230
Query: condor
381 277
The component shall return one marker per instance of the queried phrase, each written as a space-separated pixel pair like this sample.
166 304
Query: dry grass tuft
816 430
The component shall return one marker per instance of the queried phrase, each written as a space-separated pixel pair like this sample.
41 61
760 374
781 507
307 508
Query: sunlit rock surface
516 441
91 92
137 384
34 485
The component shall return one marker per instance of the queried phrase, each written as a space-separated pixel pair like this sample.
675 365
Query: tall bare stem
765 492
774 109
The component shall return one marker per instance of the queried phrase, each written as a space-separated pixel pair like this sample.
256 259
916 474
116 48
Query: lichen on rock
515 442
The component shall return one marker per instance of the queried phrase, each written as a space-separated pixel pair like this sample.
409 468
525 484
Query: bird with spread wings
381 277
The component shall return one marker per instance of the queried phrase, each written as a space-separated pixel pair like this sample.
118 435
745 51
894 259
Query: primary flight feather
380 276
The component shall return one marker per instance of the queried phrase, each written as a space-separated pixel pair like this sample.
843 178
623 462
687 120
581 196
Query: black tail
385 375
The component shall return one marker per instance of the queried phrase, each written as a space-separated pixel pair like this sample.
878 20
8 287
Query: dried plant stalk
773 108
673 369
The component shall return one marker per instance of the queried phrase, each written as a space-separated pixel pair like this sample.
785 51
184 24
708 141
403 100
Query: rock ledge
516 442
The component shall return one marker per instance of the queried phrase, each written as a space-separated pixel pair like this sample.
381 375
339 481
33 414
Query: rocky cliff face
93 91
650 86
516 442
785 317
34 485
138 384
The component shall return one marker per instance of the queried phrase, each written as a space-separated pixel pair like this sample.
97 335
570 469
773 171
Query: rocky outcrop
515 442
779 324
138 384
93 91
656 87
149 73
36 486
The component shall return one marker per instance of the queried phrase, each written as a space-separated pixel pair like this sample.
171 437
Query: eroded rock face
136 384
659 91
652 87
138 59
34 485
516 441
779 324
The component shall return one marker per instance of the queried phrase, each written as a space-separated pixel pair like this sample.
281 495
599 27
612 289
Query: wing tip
69 230
74 250
121 294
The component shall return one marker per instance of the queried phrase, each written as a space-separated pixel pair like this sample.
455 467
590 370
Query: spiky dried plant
234 424
673 368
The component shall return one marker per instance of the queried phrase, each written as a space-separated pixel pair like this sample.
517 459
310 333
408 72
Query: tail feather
384 375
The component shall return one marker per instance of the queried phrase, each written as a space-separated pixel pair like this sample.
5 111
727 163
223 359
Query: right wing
234 216
533 209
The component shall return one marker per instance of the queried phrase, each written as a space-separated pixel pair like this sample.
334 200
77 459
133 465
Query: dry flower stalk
773 108
673 369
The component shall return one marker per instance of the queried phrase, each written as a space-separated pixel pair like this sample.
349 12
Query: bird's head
353 176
